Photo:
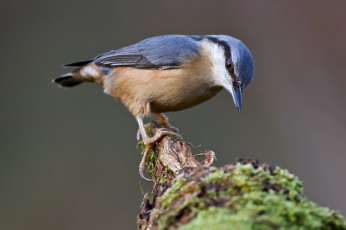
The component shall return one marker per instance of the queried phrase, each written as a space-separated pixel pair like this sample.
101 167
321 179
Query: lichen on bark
243 195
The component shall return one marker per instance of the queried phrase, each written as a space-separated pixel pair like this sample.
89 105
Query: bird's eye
229 65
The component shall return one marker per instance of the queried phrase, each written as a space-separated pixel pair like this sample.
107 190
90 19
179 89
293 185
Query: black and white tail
67 80
86 71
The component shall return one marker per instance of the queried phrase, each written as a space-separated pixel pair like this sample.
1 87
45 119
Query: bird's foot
172 128
158 136
165 124
163 121
149 143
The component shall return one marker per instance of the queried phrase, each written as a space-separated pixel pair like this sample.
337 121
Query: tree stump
244 195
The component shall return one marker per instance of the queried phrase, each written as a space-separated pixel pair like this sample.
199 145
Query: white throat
218 59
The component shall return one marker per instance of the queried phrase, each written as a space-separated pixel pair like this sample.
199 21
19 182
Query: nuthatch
167 73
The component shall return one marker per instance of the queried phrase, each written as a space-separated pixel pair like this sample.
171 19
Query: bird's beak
236 94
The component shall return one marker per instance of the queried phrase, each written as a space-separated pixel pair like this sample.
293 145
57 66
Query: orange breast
145 91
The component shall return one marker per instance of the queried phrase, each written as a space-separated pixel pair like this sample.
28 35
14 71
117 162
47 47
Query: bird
167 73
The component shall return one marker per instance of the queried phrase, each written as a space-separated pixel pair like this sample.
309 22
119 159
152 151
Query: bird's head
236 67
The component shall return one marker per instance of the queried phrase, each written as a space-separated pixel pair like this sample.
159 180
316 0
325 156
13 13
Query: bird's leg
139 131
163 120
149 142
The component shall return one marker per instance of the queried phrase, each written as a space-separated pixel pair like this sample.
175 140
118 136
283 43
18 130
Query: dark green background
68 158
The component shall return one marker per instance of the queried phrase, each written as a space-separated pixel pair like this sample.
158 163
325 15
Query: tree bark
244 195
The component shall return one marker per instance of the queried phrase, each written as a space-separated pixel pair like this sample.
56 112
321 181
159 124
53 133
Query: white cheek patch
217 55
89 71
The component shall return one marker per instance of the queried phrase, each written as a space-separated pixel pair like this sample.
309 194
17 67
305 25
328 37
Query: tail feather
78 64
86 71
67 80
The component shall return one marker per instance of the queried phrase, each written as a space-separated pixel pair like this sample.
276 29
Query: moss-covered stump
243 195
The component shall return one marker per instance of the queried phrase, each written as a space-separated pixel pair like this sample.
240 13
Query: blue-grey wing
162 52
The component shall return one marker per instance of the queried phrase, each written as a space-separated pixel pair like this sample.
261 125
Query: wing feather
162 52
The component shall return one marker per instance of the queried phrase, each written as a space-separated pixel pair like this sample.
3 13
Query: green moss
243 196
151 158
166 201
172 201
212 193
214 219
148 131
215 176
163 180
140 145
166 173
247 178
151 161
172 193
261 211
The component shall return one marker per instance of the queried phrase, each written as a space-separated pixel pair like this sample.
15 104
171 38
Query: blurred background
68 158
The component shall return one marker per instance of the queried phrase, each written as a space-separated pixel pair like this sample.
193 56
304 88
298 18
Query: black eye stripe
226 47
227 51
231 72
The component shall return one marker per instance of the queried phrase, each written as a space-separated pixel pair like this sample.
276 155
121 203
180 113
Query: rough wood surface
170 157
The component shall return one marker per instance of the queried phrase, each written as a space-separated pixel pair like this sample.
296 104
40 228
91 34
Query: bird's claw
149 141
141 173
159 135
174 131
